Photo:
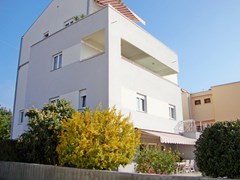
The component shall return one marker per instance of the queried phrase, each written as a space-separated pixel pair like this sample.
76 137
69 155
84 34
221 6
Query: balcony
190 128
92 45
138 56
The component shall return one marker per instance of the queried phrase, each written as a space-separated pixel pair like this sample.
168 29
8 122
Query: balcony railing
190 126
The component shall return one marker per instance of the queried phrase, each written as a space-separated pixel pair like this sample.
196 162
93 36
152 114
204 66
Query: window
46 34
197 102
207 100
82 99
152 146
172 111
57 61
54 100
141 103
21 117
148 146
143 147
199 129
69 22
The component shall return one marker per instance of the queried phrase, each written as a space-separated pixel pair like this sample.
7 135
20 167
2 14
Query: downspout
193 123
190 106
88 7
16 88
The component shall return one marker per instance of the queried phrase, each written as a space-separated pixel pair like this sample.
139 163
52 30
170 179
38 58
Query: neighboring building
220 103
91 52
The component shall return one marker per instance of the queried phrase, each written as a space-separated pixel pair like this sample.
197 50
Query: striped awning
171 138
120 7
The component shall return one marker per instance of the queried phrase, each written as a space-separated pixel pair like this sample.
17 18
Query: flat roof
227 84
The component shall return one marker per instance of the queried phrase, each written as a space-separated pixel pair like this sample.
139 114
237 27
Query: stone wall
23 171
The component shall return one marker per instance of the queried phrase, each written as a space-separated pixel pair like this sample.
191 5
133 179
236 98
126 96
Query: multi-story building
93 51
219 103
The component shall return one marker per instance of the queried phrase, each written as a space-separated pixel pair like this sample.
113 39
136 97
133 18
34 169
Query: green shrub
13 150
5 123
38 144
162 162
8 150
218 150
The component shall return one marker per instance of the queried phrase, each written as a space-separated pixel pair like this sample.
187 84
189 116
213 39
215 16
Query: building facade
220 103
92 51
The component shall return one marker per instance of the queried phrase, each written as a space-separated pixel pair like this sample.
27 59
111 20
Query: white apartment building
93 51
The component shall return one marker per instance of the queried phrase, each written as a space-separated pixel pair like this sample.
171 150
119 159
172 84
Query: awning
120 7
171 138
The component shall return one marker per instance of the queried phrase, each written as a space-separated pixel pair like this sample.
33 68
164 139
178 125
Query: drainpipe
190 106
88 7
16 88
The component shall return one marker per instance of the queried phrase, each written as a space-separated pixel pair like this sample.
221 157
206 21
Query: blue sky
204 33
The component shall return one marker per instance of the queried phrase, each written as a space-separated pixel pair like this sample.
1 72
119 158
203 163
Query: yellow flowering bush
100 139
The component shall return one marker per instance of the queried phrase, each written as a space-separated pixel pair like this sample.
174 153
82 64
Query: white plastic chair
186 168
192 166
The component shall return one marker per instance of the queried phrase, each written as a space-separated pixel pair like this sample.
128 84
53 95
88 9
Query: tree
162 162
100 139
40 141
5 123
218 150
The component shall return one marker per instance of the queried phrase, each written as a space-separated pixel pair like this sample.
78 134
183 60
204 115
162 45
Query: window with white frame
148 146
21 117
82 99
69 22
152 146
172 111
57 61
142 147
141 103
46 34
54 99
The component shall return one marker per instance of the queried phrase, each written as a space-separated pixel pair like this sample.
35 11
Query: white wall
42 83
173 78
187 151
51 20
20 100
72 77
155 107
71 54
126 79
73 97
121 27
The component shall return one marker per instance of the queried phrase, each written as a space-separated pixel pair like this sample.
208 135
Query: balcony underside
92 45
138 56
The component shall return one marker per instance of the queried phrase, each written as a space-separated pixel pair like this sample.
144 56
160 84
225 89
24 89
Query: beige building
220 103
